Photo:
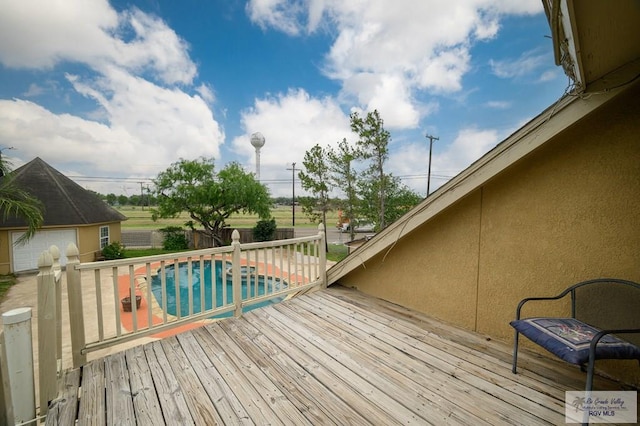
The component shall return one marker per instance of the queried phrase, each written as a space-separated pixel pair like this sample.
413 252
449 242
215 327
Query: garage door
25 256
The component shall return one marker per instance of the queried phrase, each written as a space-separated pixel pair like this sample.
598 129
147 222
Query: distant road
333 235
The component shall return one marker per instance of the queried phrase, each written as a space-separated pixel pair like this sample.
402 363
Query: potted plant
126 302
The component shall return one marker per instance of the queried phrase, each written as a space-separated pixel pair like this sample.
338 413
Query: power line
110 178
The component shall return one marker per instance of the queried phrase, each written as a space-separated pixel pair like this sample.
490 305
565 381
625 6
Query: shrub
265 230
114 250
174 238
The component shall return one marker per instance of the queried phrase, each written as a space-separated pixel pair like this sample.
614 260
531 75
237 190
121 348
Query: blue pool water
204 278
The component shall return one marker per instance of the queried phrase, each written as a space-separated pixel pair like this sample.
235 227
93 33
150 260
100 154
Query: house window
104 237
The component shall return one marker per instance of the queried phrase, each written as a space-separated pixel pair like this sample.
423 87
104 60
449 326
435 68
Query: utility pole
141 196
293 188
431 139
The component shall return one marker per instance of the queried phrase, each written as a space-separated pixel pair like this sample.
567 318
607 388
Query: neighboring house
71 215
555 203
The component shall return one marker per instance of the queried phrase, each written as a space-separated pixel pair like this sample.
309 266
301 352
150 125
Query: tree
208 197
18 203
111 199
373 145
315 178
123 200
265 230
344 177
134 200
400 199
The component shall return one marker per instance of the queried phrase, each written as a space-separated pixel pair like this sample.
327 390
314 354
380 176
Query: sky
111 93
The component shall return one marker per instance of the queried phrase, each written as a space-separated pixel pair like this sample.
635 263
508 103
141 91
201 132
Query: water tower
257 140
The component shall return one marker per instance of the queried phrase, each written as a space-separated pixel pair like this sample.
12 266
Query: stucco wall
88 243
89 239
5 247
434 270
570 211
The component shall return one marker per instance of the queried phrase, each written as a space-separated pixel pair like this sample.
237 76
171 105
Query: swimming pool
249 287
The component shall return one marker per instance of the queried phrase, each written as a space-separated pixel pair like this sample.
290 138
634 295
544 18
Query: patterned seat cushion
569 339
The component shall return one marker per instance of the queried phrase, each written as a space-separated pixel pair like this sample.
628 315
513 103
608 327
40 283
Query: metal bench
579 341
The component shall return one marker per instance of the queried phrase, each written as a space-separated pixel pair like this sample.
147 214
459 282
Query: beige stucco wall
570 211
89 239
434 270
88 243
5 247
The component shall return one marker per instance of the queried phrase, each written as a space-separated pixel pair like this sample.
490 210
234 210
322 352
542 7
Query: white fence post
47 339
17 358
57 274
236 279
323 255
76 315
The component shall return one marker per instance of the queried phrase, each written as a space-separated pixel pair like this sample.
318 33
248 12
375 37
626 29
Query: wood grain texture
334 356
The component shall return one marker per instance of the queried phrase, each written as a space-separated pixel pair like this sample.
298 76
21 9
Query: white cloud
134 67
291 123
410 160
498 104
388 55
389 95
54 31
36 131
91 32
206 92
155 47
139 142
34 90
178 124
279 14
469 145
444 72
548 75
528 63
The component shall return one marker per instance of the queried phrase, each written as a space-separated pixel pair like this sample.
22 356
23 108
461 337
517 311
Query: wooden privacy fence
197 239
116 301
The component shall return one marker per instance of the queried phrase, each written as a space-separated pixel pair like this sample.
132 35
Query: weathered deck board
453 376
170 395
64 408
331 357
237 384
92 398
299 386
145 398
118 389
229 407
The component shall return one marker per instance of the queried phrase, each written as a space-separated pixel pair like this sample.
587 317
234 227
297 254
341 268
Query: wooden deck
331 357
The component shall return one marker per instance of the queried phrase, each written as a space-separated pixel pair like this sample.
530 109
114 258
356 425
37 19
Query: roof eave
565 41
564 113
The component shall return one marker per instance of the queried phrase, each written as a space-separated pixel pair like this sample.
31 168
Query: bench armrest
529 299
592 351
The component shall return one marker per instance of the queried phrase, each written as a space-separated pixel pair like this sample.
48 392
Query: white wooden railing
17 357
95 291
290 265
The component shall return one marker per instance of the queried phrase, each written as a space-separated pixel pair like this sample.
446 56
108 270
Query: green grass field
139 218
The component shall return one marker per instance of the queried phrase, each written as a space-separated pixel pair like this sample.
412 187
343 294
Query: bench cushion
569 339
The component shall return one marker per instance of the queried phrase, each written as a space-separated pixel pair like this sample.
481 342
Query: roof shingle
65 202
